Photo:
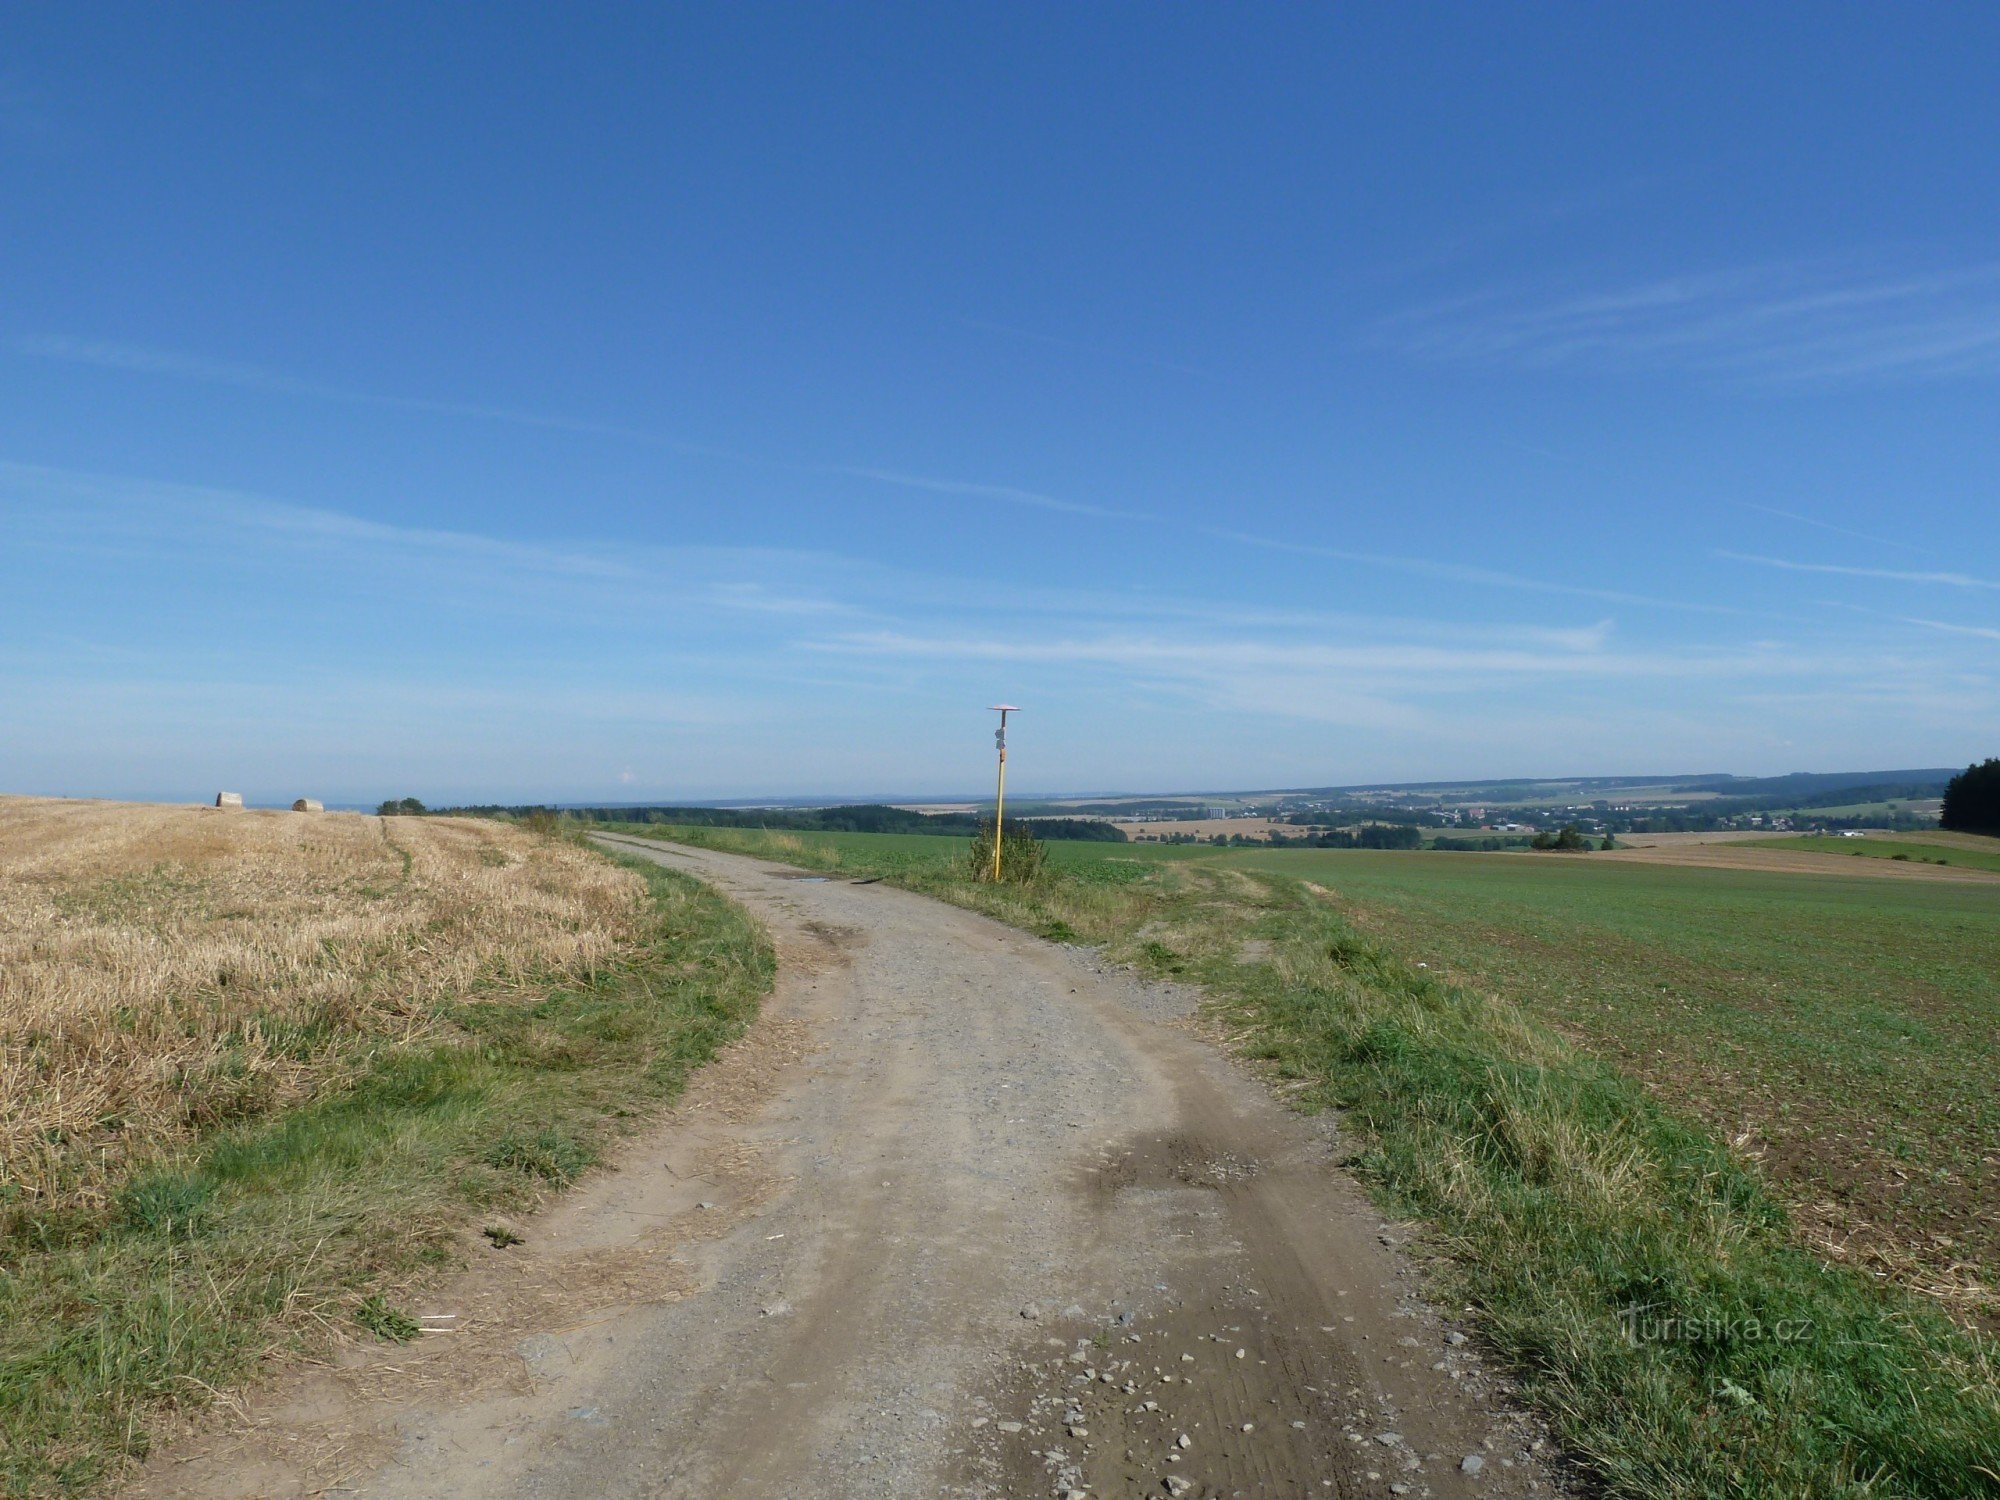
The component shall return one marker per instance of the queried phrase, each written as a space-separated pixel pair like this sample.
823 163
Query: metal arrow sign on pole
1000 796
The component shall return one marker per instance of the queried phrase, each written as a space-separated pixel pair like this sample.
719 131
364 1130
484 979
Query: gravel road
965 1214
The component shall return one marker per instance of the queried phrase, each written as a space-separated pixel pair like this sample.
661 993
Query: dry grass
167 969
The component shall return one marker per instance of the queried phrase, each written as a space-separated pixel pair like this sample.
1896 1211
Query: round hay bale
230 800
306 804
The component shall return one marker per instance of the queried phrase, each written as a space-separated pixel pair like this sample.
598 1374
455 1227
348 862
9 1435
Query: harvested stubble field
167 969
265 1072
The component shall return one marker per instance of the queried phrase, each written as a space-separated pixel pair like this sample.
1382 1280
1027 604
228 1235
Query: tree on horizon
1972 799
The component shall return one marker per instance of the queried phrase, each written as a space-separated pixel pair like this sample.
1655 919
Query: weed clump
169 1204
390 1324
553 1155
1023 857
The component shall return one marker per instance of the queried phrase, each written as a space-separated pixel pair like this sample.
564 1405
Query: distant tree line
401 807
1569 840
1972 800
1368 836
1086 830
863 818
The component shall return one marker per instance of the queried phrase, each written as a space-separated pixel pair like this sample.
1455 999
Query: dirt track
962 1215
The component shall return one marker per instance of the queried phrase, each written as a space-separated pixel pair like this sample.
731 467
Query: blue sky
569 402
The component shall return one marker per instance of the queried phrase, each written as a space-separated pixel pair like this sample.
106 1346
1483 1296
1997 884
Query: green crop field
1848 1027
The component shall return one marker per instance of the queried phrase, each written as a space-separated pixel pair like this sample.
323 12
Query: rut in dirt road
963 1215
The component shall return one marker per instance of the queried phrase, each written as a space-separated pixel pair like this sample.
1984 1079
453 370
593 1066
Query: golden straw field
167 969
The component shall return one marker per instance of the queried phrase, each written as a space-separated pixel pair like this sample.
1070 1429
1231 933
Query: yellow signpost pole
1000 795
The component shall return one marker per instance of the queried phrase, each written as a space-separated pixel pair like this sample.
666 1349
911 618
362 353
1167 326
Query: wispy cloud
1779 323
83 512
1859 536
1982 632
1390 660
171 364
518 620
193 367
1005 494
1452 572
403 657
1389 684
1424 567
1842 570
81 515
112 506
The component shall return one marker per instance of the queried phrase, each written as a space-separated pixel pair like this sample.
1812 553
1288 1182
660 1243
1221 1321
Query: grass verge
1641 1279
286 1230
